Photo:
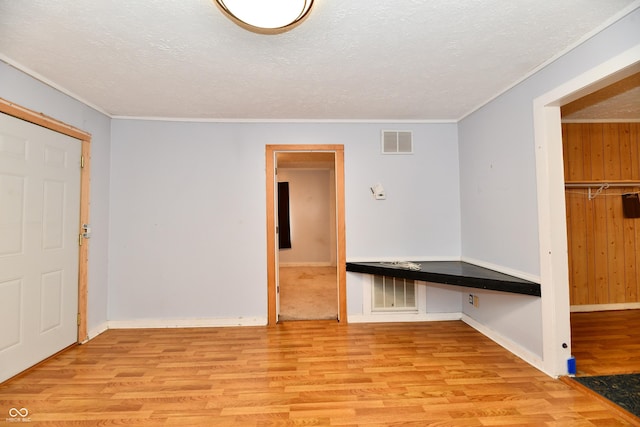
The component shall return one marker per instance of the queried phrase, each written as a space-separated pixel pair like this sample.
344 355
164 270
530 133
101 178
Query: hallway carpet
308 293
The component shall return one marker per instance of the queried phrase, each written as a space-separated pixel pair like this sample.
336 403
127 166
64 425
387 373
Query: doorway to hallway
306 278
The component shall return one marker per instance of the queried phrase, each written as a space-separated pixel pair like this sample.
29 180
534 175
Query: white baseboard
524 354
187 323
503 270
94 332
402 317
605 307
173 323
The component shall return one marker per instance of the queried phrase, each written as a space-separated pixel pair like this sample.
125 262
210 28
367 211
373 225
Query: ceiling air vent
397 142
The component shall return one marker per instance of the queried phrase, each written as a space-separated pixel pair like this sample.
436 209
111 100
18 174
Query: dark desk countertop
452 273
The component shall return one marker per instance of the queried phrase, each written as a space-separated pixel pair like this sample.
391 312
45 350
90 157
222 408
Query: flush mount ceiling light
266 16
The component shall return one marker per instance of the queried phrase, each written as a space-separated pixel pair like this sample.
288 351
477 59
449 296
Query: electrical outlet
470 299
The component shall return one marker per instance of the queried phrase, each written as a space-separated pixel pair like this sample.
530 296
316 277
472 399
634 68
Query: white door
39 228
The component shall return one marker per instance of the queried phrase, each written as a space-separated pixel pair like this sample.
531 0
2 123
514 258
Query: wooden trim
272 318
341 254
619 410
270 151
42 120
85 140
83 266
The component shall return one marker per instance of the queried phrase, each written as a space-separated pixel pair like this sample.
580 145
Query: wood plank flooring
606 342
298 373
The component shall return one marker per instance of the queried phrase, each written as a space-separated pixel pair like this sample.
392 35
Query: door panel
39 227
11 212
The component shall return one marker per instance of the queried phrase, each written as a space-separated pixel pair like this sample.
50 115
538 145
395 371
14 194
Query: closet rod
601 184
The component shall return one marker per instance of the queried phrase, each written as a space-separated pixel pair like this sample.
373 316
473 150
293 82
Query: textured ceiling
350 60
618 101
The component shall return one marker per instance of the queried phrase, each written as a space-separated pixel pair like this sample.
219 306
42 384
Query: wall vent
393 294
397 142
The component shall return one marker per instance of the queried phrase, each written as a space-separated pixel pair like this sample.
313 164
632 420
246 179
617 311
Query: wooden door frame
40 119
271 225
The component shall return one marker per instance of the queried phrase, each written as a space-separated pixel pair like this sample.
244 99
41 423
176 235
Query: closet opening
601 156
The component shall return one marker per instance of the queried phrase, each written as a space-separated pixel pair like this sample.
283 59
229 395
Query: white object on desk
404 264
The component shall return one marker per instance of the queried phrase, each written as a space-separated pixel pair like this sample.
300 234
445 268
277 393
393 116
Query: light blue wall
499 210
420 217
497 157
23 90
188 209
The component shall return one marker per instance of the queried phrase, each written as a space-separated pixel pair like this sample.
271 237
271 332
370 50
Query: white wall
444 298
21 89
188 235
312 217
500 220
512 320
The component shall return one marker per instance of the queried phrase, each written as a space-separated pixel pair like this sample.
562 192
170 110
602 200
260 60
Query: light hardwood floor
298 373
606 342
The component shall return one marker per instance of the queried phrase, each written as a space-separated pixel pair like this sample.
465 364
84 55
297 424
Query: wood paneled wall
604 246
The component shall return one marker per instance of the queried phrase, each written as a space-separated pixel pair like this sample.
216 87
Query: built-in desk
452 273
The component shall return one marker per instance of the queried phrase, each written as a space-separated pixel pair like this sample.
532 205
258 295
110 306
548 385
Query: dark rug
623 390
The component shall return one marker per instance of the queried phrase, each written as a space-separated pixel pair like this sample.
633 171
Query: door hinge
276 171
80 239
78 319
81 162
278 289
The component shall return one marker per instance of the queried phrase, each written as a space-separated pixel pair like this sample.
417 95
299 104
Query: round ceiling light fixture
266 16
